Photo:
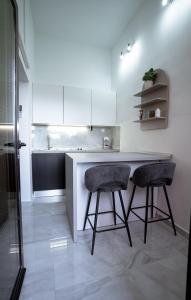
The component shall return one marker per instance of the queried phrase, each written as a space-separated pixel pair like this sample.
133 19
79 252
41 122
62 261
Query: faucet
48 142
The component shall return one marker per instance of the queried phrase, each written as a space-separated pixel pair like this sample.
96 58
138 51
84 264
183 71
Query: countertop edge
74 152
144 156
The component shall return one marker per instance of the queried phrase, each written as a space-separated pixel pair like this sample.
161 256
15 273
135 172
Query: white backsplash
58 137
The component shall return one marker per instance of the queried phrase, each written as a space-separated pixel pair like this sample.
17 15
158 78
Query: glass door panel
10 261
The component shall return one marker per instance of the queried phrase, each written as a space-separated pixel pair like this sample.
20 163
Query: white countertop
75 151
118 157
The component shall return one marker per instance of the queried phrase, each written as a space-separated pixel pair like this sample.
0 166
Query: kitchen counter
77 194
48 167
118 157
75 151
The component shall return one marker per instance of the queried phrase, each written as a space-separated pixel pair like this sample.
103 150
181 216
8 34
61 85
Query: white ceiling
94 22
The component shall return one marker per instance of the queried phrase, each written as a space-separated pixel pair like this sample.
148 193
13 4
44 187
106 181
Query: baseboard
18 285
181 230
48 193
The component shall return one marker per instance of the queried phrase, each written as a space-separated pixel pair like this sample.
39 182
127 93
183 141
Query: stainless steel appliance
107 142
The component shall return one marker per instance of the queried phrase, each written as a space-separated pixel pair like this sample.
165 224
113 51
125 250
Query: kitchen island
77 194
48 168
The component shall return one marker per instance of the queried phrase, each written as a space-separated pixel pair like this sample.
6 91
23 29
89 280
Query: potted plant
149 78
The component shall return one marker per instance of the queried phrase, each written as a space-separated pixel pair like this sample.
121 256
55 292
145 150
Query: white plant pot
148 84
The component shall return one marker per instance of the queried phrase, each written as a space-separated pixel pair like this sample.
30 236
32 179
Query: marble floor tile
58 269
36 283
43 295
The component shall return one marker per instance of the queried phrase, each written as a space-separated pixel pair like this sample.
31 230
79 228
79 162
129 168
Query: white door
103 107
47 104
77 106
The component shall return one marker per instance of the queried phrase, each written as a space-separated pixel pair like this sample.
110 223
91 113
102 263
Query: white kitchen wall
66 137
25 99
26 32
162 40
64 63
29 38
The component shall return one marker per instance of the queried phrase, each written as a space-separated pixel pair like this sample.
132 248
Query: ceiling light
166 2
121 55
129 48
126 51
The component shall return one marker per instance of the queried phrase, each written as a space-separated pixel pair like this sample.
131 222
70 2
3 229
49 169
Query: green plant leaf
151 74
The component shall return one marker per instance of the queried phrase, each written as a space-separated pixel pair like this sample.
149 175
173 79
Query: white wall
162 40
25 99
60 62
26 31
29 37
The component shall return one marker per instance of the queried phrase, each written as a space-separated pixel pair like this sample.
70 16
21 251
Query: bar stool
151 176
106 178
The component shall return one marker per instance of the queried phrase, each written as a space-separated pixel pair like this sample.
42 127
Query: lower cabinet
48 171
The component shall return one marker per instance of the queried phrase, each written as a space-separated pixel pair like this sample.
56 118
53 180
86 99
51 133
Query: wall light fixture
166 2
126 51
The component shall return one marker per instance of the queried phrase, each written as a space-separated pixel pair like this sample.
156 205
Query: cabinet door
47 104
48 171
103 107
77 106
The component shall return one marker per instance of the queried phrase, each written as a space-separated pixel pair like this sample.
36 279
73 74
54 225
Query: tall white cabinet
103 107
47 104
77 106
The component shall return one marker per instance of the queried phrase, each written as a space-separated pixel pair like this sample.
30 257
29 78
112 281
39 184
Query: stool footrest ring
106 212
151 221
104 230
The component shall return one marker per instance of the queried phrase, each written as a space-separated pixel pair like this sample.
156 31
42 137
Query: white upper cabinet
73 106
77 106
47 104
103 107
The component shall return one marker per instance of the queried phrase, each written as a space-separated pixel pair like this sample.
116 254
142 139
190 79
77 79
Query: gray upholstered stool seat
106 178
150 176
110 187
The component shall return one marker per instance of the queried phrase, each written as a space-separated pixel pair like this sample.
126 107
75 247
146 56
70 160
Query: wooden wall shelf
152 98
154 88
150 119
150 102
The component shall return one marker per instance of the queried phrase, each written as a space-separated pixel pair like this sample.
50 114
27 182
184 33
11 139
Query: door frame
21 273
188 283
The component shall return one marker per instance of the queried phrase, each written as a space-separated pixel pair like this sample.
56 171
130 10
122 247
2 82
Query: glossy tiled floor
57 269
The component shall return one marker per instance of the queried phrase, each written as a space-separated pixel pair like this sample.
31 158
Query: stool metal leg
146 214
152 197
131 201
169 208
95 222
87 210
124 216
114 215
